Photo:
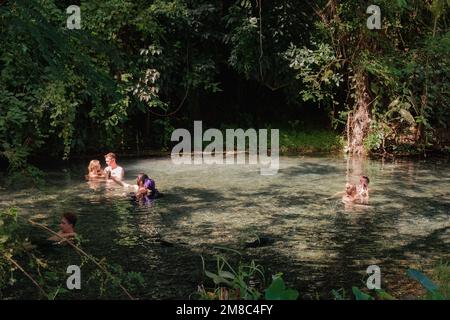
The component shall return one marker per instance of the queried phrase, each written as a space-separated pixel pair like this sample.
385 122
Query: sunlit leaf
359 295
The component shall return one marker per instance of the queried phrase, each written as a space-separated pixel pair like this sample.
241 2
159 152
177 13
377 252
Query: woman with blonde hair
95 170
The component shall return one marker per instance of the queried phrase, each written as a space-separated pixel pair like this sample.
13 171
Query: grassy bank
324 141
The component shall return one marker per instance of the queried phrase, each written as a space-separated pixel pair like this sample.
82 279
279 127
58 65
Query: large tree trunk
358 124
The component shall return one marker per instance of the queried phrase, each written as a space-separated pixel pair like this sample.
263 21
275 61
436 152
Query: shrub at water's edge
296 142
247 281
25 272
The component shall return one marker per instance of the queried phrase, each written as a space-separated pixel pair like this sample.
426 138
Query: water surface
319 243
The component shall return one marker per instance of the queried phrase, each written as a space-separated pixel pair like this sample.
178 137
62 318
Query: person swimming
66 228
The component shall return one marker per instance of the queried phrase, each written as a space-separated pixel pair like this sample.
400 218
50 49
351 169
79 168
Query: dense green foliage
138 69
243 281
246 281
399 74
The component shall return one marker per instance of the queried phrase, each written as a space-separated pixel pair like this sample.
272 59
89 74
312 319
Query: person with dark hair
113 171
366 180
146 189
350 193
363 190
66 228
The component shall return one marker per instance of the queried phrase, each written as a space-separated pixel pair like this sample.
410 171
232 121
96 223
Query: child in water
350 193
66 228
95 170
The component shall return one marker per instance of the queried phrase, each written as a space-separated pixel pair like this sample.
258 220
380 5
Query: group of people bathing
358 194
146 192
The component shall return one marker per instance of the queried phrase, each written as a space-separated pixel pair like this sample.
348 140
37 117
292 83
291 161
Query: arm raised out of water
337 194
124 184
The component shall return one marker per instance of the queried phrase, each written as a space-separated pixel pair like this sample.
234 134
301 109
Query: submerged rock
170 244
260 242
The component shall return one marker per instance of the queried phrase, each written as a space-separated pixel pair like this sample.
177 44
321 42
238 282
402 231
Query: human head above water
110 159
364 180
140 180
350 189
94 166
68 222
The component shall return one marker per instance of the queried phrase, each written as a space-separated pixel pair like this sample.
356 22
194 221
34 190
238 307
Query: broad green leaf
216 278
423 279
359 295
277 291
226 274
384 295
290 294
